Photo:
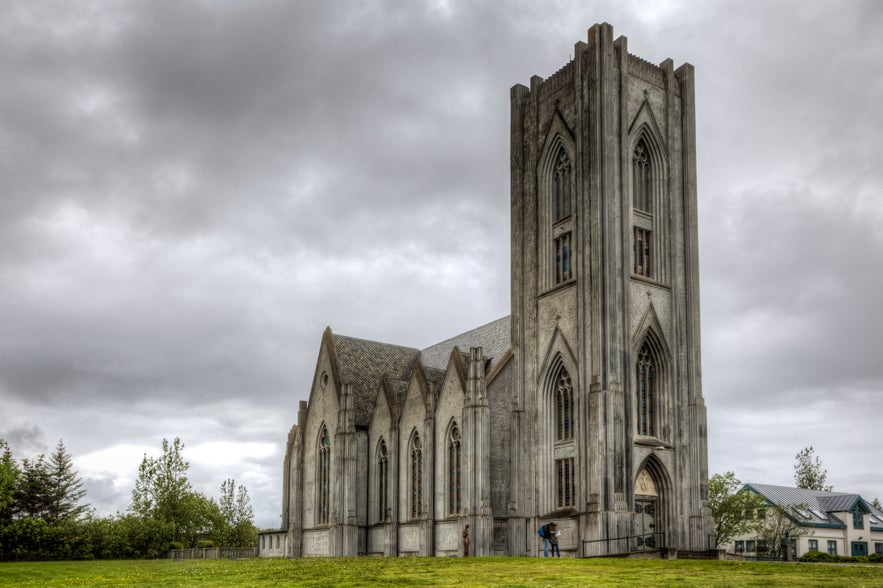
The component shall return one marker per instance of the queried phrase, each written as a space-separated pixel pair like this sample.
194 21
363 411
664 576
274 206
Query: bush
203 543
175 545
821 556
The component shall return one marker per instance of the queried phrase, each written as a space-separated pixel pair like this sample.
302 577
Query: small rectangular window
642 252
563 259
749 546
878 548
813 544
566 482
832 547
740 546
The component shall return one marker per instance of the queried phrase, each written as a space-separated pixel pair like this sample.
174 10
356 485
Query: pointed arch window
563 406
323 477
454 471
646 379
416 476
642 178
561 183
643 206
382 483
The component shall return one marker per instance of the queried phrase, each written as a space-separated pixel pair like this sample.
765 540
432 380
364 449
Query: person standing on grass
466 541
553 539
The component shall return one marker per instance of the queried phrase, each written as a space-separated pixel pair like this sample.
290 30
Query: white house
838 523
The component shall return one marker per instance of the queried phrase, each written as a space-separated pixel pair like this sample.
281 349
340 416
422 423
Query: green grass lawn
484 571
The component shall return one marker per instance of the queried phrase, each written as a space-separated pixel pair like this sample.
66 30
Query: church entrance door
645 523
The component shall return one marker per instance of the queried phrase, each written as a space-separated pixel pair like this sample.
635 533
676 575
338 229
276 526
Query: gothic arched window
646 378
561 187
416 476
564 406
323 477
454 471
642 173
561 204
382 482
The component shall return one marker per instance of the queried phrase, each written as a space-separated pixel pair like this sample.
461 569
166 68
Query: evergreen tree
9 475
33 493
808 472
65 487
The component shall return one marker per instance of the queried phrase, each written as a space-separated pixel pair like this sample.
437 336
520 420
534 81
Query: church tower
608 419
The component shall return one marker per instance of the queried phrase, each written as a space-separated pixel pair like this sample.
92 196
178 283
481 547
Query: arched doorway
646 513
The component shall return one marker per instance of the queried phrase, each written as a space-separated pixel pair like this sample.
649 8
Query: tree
733 508
774 526
808 472
33 494
876 504
9 475
65 487
162 484
235 506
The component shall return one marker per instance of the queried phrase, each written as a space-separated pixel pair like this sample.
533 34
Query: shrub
821 556
175 545
203 543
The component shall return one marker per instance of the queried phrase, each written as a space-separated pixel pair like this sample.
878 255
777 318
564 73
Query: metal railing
624 545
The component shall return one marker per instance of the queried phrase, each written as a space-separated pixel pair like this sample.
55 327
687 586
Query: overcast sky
192 191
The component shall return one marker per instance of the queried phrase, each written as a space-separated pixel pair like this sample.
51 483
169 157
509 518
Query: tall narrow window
565 482
642 245
564 406
563 259
324 475
416 477
454 471
382 483
642 178
646 382
858 519
561 187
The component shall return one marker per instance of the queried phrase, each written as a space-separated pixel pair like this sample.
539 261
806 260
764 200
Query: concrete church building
585 405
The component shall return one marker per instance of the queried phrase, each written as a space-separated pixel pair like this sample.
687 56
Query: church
584 406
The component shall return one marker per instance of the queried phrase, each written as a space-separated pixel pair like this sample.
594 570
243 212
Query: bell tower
607 398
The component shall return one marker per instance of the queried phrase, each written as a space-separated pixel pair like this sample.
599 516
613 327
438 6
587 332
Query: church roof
495 338
363 363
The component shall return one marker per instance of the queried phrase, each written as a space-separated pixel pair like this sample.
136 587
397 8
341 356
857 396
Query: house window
858 519
878 548
382 482
642 245
565 482
740 546
454 471
563 259
561 187
813 544
646 383
324 473
832 547
642 178
749 546
416 477
564 406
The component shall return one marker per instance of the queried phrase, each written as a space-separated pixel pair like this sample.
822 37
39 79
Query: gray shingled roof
494 338
363 363
809 507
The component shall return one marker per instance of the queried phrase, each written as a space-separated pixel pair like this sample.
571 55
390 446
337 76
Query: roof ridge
459 335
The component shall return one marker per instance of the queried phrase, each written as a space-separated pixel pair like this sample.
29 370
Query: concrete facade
585 405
